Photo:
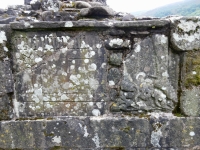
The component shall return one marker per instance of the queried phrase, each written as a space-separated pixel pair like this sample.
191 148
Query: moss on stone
117 148
56 148
126 129
192 72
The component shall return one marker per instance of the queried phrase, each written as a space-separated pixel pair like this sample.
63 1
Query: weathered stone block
146 76
180 133
185 33
190 104
75 133
22 135
155 131
58 69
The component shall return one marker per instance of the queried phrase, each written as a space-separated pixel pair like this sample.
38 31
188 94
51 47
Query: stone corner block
185 33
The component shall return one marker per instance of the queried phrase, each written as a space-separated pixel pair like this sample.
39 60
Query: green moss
56 148
192 69
178 115
126 129
144 116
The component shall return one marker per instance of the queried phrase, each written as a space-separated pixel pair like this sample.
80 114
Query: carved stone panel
59 73
145 85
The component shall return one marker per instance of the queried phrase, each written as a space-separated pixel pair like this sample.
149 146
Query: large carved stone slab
59 73
145 83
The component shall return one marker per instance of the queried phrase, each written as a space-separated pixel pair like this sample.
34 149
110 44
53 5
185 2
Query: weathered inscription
56 78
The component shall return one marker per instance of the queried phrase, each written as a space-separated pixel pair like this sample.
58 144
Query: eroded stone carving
145 84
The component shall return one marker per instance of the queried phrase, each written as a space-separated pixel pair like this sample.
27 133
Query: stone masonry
76 75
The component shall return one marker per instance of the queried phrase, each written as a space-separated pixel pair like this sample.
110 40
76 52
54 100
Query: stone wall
100 84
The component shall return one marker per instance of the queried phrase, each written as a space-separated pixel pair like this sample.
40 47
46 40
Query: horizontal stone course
152 132
77 24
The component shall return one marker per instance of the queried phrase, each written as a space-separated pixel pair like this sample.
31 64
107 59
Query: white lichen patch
186 34
160 95
162 38
65 39
64 97
137 49
165 74
26 24
68 24
3 37
93 83
90 54
5 49
116 42
91 103
140 75
96 112
75 79
192 133
86 61
98 45
49 47
86 134
99 105
37 95
37 60
187 26
92 67
155 138
96 140
33 1
111 83
194 72
56 139
141 104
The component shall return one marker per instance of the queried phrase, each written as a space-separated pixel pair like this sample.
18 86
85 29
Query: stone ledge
83 133
98 24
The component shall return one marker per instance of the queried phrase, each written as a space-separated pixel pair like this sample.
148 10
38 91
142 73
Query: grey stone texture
185 33
190 84
97 12
154 132
53 68
77 75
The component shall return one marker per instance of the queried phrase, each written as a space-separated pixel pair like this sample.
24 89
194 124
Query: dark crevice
177 111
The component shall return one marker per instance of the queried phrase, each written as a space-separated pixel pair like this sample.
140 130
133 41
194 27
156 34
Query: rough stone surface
51 69
99 81
80 4
145 74
185 33
190 84
190 102
116 59
102 133
97 12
